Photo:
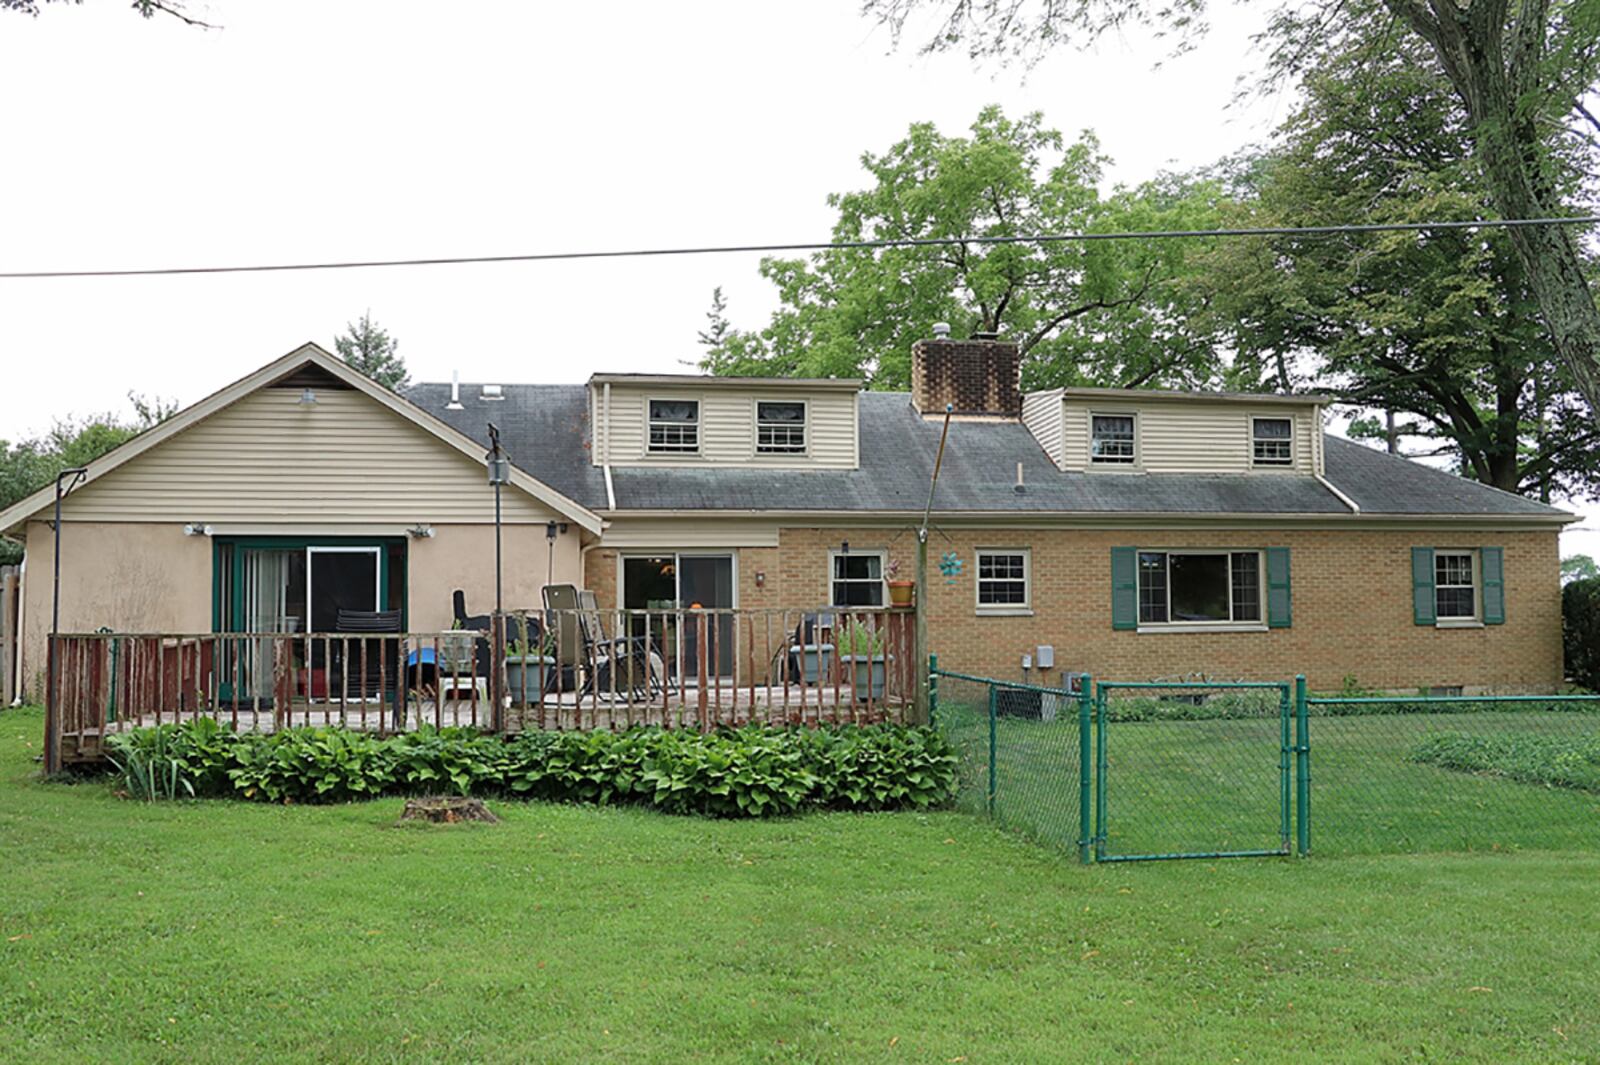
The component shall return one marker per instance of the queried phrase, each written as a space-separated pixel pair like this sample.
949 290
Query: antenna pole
922 576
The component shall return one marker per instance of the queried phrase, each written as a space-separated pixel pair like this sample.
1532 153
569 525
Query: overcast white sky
309 130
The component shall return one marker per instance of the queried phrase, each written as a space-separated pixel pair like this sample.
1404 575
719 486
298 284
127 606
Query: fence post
1085 700
1100 773
1302 748
993 706
933 688
1283 766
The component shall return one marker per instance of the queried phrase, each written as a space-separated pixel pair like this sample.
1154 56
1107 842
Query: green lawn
239 932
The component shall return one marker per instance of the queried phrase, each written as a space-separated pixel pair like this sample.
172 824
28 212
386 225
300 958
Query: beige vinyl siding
687 533
1042 413
728 427
1190 436
267 459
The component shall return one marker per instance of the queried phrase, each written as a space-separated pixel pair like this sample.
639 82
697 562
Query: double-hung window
780 428
1199 587
856 578
674 426
1272 441
1455 585
1111 439
1003 581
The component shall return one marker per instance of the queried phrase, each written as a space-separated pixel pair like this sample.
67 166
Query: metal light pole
499 474
923 605
52 753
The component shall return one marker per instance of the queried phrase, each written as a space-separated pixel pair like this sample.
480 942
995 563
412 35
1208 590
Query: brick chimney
977 376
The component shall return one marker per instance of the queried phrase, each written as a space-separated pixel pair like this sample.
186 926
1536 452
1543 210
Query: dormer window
1111 440
1271 442
674 426
780 428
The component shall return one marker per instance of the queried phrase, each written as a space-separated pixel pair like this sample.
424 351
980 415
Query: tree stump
447 810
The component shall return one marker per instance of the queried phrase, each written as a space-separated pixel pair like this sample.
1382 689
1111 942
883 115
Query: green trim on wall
240 544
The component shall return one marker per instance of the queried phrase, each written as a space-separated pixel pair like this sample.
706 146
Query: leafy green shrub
149 764
755 771
1580 631
1554 761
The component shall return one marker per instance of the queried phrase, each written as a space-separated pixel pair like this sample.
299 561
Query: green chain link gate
1192 788
1140 771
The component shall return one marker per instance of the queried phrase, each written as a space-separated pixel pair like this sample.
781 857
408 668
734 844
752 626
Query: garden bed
754 771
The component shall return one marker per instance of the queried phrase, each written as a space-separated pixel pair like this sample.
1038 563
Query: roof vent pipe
941 330
455 391
1020 487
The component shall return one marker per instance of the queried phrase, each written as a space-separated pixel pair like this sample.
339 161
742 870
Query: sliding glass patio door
664 581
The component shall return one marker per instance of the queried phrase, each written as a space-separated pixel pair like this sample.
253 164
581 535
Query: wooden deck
783 667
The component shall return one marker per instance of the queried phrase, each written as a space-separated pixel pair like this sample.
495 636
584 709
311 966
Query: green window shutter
1491 563
1280 612
1422 600
1124 588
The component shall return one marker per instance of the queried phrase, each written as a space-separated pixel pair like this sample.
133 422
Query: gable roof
306 356
550 424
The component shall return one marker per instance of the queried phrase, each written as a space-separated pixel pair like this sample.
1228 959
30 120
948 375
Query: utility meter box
1044 656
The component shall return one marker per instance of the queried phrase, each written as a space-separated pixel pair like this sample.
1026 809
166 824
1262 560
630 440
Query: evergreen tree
369 349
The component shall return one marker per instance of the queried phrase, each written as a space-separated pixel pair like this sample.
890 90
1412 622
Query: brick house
1139 534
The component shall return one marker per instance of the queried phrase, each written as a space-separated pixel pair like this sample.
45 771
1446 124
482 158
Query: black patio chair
374 660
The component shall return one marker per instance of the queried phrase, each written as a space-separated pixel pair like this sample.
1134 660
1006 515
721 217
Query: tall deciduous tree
147 8
1440 328
1517 69
856 311
29 465
369 348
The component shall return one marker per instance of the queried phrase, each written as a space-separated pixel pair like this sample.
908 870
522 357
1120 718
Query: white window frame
1272 464
883 576
650 447
1258 625
1473 558
1132 463
1022 609
805 429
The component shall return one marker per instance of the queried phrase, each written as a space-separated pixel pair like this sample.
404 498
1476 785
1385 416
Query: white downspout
1318 466
605 447
22 628
1346 500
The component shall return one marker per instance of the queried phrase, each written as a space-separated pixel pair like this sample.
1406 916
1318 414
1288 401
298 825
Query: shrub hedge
755 771
1555 761
1580 629
1235 705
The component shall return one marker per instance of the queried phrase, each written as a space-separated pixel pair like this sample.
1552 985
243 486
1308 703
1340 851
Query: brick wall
975 376
1351 607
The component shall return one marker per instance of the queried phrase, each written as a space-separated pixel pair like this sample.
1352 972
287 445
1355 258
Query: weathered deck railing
701 668
551 669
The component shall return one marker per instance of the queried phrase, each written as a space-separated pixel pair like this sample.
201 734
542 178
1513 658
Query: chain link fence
1397 774
1020 754
1121 771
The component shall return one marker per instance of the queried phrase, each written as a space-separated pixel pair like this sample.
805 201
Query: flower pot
814 662
525 678
902 593
868 674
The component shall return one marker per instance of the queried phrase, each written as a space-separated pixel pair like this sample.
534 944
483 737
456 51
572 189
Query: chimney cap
941 330
986 334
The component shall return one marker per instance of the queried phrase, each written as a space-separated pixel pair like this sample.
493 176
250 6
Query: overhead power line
907 242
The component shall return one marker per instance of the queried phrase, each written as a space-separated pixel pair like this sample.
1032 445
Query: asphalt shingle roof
545 429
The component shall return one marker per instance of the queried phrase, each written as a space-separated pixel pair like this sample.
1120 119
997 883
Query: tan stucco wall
462 556
150 577
130 576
